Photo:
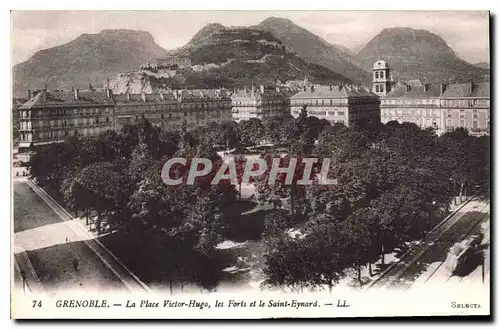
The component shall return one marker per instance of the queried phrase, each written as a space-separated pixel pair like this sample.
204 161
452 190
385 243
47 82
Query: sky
467 32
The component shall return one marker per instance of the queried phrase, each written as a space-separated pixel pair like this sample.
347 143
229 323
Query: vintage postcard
249 165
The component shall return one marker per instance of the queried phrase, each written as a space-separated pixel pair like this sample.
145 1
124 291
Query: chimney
408 88
304 87
29 94
143 96
443 88
77 94
262 89
426 87
128 96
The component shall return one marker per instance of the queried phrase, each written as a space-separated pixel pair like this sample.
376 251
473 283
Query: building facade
337 104
419 104
263 104
441 107
467 105
53 116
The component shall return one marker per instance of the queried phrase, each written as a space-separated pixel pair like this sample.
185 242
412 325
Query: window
170 115
474 124
185 114
376 75
474 114
162 115
381 88
381 74
331 102
377 89
462 123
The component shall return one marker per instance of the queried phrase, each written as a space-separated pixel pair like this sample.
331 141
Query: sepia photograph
250 164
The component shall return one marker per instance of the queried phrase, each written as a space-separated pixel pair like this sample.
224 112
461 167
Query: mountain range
90 58
482 65
274 49
413 54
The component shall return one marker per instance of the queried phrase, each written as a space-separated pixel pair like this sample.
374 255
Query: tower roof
380 64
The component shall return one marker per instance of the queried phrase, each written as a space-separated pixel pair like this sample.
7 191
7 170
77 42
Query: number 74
37 303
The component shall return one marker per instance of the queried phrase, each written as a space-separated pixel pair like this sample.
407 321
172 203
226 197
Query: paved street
45 245
425 262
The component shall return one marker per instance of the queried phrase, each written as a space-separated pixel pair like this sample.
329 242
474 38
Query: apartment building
262 103
53 116
346 104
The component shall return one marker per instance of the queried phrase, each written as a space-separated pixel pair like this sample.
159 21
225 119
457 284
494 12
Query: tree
457 147
251 131
52 164
97 191
240 164
358 231
276 222
314 260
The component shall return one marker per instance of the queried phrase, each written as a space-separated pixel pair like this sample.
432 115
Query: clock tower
381 78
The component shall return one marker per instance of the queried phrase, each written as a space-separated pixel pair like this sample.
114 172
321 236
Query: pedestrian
75 264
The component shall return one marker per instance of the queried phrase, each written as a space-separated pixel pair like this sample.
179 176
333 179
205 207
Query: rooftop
51 98
257 92
481 89
337 91
57 98
419 91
